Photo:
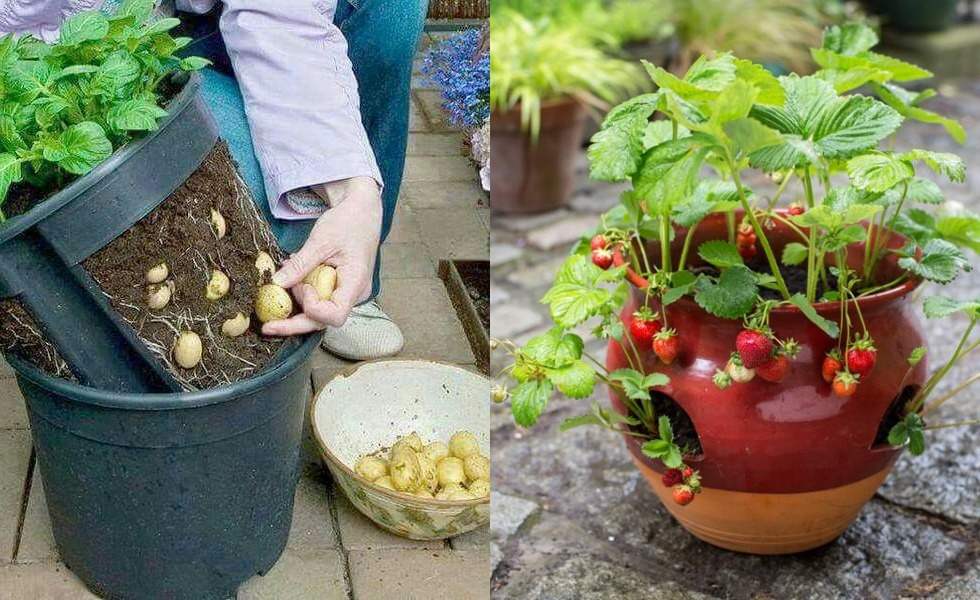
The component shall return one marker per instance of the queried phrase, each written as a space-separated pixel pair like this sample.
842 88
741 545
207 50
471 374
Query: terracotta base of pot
768 523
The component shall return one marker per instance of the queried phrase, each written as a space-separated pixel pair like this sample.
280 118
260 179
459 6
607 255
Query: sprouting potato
404 469
427 472
188 350
450 471
324 281
235 326
218 286
476 466
447 491
158 295
411 440
385 482
463 444
218 224
272 303
480 488
371 468
158 274
436 451
265 265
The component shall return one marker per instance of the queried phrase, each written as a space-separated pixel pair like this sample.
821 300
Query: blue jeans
382 37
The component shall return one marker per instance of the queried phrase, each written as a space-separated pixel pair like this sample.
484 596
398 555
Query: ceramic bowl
370 406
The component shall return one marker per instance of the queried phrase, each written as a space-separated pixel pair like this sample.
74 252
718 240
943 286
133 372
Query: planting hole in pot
894 414
685 433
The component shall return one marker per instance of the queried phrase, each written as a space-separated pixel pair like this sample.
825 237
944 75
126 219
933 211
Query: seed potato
188 350
218 286
235 326
427 472
218 224
404 469
265 265
272 303
480 488
476 466
385 482
463 444
445 492
450 471
436 451
158 295
371 468
460 494
411 440
158 274
324 281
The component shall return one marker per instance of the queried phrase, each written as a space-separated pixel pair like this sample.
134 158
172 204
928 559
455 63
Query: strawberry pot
532 176
785 467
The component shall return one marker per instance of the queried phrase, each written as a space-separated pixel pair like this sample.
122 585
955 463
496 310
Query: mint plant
724 117
66 107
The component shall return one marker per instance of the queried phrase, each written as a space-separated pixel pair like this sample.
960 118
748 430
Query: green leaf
194 63
135 115
119 70
899 434
575 380
941 262
720 253
849 39
83 27
579 421
140 10
853 126
920 190
664 430
893 96
938 307
732 296
768 89
794 253
577 294
528 400
27 79
681 284
916 356
750 135
961 228
825 325
943 163
917 442
554 348
81 147
160 26
635 384
615 151
712 74
732 103
878 171
10 173
658 132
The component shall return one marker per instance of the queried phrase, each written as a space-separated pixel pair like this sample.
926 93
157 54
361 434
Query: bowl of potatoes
408 441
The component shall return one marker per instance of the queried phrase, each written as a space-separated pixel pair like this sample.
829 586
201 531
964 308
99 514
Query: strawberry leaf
577 294
720 253
941 262
825 325
555 348
943 163
794 253
732 296
615 151
937 307
529 399
575 380
878 171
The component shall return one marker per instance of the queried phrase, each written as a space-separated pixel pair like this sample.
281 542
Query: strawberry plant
66 107
862 206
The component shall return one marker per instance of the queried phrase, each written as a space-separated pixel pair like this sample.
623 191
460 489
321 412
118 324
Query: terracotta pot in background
535 176
785 467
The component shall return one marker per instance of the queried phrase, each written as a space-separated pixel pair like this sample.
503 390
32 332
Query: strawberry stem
760 234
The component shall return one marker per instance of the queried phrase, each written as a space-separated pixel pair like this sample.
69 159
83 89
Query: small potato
218 286
158 274
265 265
476 466
188 350
480 488
411 440
371 468
273 303
218 224
436 451
447 491
235 326
460 494
385 482
324 280
427 472
450 472
158 295
404 469
463 444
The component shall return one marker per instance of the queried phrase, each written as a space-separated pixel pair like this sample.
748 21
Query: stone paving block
484 214
405 227
525 223
357 532
507 514
325 367
455 233
498 295
504 254
478 539
5 369
562 233
420 574
430 102
36 540
400 261
41 581
449 194
313 532
15 453
439 169
13 413
436 144
317 576
416 120
421 307
540 275
510 319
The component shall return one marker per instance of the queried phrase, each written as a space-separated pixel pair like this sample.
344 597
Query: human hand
345 237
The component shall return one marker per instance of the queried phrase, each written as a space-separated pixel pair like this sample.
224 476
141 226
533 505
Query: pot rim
402 497
166 401
15 226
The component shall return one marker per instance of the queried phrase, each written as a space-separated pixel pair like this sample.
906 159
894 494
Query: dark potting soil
476 278
794 276
685 435
179 233
894 414
21 336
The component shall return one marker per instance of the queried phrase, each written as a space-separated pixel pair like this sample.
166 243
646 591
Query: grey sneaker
368 333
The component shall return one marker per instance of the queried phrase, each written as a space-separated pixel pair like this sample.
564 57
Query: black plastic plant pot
41 250
170 496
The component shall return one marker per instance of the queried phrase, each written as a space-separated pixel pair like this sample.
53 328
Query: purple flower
463 77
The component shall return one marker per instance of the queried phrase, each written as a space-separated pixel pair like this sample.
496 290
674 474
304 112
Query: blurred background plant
460 68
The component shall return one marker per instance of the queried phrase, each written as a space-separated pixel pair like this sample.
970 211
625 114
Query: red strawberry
796 209
747 252
683 495
861 357
666 345
831 366
687 472
845 384
754 347
598 242
643 326
602 258
745 230
672 477
774 370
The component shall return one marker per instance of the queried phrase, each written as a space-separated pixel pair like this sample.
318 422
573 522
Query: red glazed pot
785 466
532 176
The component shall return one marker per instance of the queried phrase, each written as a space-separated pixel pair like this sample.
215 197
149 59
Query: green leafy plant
65 107
611 22
723 117
536 61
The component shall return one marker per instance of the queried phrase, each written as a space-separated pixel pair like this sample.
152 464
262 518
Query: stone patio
333 551
573 519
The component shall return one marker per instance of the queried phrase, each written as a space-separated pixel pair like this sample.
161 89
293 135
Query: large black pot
170 496
41 250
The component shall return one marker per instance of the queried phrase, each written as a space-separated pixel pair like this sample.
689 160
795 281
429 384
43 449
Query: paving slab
417 123
502 255
15 454
36 540
453 234
448 194
421 307
439 169
399 261
301 576
313 531
357 532
405 227
5 369
13 412
478 539
430 102
420 574
436 144
510 319
41 581
561 234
